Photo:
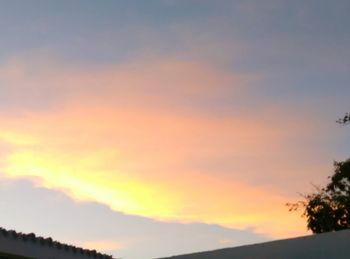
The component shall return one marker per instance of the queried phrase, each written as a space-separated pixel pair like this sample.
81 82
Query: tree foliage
328 208
344 120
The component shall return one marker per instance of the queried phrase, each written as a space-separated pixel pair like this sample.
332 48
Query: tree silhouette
344 120
328 209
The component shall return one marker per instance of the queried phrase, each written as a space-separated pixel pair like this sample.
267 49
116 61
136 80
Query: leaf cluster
344 120
328 208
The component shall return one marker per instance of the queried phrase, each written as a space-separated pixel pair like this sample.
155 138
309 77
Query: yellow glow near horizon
13 138
76 179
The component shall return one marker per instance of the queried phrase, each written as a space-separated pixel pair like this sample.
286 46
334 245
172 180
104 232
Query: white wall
327 246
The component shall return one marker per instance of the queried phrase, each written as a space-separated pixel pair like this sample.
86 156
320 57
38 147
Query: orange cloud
136 162
113 139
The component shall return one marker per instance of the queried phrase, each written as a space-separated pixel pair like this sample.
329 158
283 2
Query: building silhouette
14 245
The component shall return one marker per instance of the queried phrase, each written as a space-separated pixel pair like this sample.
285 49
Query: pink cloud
148 84
121 136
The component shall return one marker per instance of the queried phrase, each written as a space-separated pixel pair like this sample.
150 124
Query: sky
151 128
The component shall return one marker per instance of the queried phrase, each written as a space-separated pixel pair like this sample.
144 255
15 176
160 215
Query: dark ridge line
31 237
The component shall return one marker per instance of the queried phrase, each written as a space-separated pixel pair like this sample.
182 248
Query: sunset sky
149 128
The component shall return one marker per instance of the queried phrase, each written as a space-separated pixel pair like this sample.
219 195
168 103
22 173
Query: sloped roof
325 245
31 237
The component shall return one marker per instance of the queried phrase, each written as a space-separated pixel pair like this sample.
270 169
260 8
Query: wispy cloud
120 136
145 84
